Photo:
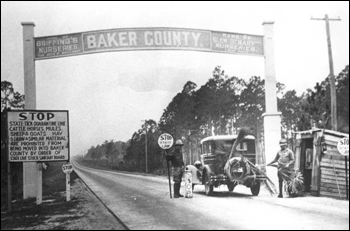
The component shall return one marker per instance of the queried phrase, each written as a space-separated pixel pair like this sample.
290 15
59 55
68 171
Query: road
143 203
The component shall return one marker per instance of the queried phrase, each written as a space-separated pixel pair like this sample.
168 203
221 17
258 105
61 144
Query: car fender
196 174
207 170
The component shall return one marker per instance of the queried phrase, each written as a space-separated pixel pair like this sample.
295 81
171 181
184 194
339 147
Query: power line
146 144
331 74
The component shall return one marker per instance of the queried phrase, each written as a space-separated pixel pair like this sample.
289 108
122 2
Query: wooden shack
323 167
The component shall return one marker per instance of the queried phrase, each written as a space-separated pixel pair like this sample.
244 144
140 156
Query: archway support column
32 174
272 118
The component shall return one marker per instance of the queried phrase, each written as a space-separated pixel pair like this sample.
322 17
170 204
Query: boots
177 190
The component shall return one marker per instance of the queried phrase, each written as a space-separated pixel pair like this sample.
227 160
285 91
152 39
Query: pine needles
293 181
270 186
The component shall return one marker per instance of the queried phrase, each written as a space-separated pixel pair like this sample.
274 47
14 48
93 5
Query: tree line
224 104
221 106
9 99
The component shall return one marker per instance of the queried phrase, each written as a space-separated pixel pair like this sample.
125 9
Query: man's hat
283 142
179 143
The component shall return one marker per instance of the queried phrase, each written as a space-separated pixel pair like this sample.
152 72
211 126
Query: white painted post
29 169
188 184
67 169
39 189
272 118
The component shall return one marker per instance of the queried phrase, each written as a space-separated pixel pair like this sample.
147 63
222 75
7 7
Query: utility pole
331 74
190 145
146 145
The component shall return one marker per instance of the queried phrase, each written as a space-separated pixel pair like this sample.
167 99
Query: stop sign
165 141
343 146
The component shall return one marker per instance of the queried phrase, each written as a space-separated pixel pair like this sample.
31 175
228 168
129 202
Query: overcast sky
108 94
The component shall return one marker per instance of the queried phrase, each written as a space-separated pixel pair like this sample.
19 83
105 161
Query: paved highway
143 202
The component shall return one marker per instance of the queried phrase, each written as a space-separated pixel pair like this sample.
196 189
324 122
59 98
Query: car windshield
222 147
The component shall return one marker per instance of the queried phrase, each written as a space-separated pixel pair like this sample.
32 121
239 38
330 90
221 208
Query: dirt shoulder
83 212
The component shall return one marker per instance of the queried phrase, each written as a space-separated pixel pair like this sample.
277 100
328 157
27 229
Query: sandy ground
83 212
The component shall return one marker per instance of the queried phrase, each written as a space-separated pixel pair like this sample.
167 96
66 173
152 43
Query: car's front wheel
208 187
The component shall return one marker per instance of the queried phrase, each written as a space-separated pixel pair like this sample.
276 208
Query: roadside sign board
343 146
38 136
67 168
165 141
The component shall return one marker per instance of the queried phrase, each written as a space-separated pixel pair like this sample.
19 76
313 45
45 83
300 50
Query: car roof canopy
225 137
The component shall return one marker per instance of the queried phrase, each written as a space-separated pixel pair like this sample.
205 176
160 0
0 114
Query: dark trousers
280 183
177 174
177 178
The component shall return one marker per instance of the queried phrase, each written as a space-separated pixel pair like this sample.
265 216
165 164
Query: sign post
166 141
39 182
343 148
9 187
67 169
167 165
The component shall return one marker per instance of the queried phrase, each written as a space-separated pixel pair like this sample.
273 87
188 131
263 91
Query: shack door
306 162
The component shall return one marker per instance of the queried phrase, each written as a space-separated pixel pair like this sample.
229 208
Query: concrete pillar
272 133
30 168
272 118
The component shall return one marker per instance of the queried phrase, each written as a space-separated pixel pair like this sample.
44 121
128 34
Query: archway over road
129 39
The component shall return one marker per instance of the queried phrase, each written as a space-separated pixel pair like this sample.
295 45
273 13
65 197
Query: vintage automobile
215 168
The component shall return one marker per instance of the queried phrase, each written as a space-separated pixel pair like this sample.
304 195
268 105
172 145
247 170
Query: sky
109 94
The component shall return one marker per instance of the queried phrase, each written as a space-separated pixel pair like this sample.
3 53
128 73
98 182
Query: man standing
285 159
177 162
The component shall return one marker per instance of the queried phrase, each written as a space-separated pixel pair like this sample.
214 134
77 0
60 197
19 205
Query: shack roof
325 131
330 137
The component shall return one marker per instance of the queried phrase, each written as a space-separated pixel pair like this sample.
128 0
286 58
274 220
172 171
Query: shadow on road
224 194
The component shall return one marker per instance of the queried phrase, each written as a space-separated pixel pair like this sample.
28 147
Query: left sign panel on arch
58 46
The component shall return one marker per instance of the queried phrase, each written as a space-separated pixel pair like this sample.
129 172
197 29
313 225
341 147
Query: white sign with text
343 146
36 136
165 141
67 168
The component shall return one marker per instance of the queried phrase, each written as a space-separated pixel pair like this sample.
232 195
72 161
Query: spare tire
233 167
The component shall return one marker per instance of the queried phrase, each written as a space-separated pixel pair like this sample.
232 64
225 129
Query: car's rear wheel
255 188
208 187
